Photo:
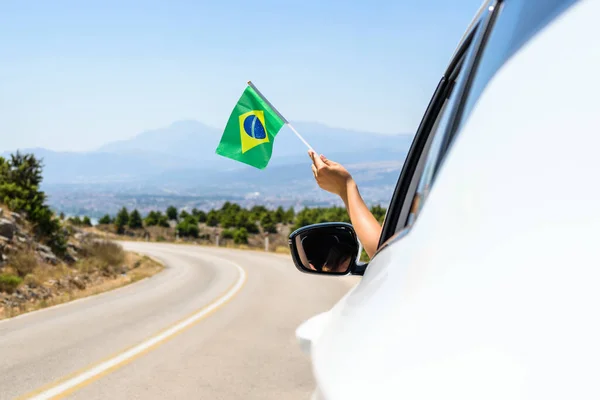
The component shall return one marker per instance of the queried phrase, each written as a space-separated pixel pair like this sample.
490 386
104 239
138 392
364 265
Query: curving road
216 324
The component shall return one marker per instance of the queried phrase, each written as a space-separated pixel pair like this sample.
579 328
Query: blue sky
77 74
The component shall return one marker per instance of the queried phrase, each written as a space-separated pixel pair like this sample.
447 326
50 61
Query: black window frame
470 47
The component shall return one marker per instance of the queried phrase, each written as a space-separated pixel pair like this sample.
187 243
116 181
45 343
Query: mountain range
179 162
184 152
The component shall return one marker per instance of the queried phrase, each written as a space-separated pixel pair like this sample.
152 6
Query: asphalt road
215 324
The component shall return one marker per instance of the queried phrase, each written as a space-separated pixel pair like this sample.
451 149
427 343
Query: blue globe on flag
254 128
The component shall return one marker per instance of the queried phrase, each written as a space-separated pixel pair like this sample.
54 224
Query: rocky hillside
33 277
15 236
45 260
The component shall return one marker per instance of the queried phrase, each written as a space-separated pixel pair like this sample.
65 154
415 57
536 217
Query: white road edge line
94 371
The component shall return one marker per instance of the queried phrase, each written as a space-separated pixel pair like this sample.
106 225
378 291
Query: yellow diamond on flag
253 130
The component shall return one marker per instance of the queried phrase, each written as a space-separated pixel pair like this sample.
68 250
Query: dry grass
23 262
282 250
105 252
5 209
141 267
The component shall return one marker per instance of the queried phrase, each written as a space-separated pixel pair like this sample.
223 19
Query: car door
363 327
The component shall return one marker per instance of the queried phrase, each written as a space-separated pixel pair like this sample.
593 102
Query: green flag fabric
251 130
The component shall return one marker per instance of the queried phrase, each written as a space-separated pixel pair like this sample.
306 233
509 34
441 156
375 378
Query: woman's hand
330 176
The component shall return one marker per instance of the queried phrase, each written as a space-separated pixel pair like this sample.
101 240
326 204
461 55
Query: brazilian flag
251 130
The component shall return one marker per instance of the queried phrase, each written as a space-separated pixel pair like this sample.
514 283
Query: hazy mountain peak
184 151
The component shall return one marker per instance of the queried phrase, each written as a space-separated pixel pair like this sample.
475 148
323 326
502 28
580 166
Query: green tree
227 234
75 220
243 219
183 215
20 180
188 227
48 229
212 218
231 207
86 221
105 220
279 215
156 218
228 218
163 221
240 236
305 217
122 220
268 224
172 213
251 227
151 219
290 214
135 220
62 216
200 215
257 212
309 216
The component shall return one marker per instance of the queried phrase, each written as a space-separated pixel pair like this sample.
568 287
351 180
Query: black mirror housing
329 248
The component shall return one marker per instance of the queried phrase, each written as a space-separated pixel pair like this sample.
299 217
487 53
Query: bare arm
366 226
334 178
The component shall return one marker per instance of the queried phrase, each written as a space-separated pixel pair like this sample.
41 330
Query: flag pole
279 115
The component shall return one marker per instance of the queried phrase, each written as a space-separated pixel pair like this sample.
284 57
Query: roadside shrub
268 223
75 220
32 281
48 230
163 222
188 227
105 220
240 236
227 234
212 218
105 252
250 227
200 215
183 215
23 262
9 282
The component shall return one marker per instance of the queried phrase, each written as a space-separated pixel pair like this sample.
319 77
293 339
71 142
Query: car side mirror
329 248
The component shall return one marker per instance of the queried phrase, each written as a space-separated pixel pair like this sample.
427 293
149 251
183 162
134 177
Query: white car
486 284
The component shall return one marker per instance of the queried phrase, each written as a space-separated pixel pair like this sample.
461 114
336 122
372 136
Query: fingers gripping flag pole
280 116
251 130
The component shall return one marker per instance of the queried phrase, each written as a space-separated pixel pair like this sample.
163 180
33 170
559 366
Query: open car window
435 116
430 140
